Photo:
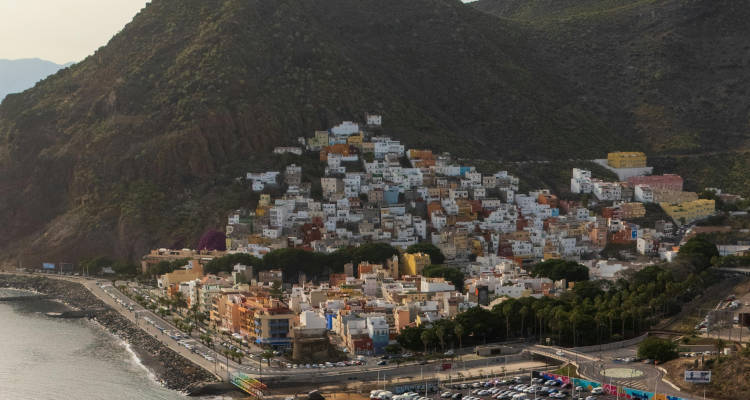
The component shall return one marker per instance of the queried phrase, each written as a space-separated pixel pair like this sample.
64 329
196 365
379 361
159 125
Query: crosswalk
639 384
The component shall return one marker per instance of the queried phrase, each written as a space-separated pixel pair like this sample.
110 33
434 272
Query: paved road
592 366
471 366
136 316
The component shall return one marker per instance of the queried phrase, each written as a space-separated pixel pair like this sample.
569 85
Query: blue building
377 329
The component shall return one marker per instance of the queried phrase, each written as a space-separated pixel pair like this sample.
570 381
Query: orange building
547 198
341 148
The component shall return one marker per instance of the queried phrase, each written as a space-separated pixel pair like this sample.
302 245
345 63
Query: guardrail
610 346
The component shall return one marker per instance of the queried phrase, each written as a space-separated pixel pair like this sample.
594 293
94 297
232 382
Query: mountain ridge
138 145
20 74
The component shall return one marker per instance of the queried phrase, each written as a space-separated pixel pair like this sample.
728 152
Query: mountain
676 71
138 145
19 75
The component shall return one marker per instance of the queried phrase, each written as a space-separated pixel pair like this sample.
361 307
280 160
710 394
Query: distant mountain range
19 75
138 145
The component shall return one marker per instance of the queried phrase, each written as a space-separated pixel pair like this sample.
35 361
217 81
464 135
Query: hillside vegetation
138 146
672 71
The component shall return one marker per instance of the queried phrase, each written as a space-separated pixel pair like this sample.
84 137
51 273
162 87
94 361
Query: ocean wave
137 361
134 358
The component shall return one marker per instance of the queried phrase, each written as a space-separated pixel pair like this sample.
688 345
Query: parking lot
517 388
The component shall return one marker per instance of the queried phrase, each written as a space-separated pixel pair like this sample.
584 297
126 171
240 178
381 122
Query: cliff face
138 145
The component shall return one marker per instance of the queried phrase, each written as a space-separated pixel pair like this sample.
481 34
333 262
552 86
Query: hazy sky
61 30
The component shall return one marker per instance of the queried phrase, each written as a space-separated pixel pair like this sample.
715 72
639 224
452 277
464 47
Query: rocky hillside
138 145
676 71
134 147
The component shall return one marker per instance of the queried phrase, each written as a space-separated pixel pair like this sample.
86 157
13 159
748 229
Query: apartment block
623 159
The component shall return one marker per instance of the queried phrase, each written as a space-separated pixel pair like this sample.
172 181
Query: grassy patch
567 370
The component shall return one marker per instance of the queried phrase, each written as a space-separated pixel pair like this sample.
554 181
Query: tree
436 256
454 275
373 252
125 268
427 338
699 252
410 337
227 262
268 355
720 345
458 329
587 289
179 300
561 269
440 334
658 349
213 240
524 312
393 349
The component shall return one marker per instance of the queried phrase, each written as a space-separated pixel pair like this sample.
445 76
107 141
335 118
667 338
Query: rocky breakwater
173 370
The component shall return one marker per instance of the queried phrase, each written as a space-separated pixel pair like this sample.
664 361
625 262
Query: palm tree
179 300
440 333
194 311
268 355
459 331
524 312
720 344
507 310
426 339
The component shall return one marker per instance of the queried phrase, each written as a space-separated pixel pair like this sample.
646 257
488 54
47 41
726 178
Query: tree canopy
452 274
556 270
698 251
436 256
213 240
293 261
593 312
658 349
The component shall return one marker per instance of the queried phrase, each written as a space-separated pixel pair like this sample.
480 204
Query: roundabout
622 373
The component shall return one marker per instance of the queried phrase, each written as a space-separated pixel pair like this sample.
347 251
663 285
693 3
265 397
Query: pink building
667 181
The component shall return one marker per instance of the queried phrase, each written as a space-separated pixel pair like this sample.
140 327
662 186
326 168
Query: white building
311 320
643 193
345 128
581 181
607 191
373 119
431 285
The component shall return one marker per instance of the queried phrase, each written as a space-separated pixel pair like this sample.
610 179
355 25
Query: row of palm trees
592 313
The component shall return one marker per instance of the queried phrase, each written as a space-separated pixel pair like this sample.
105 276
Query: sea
51 358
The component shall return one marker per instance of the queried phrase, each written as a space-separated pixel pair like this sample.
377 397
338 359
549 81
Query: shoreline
168 368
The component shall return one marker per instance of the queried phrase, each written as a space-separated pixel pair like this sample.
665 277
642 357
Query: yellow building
318 141
414 263
368 147
191 273
632 210
626 159
356 140
265 200
686 212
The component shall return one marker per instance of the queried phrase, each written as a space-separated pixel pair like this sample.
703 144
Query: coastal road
470 365
474 367
136 317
